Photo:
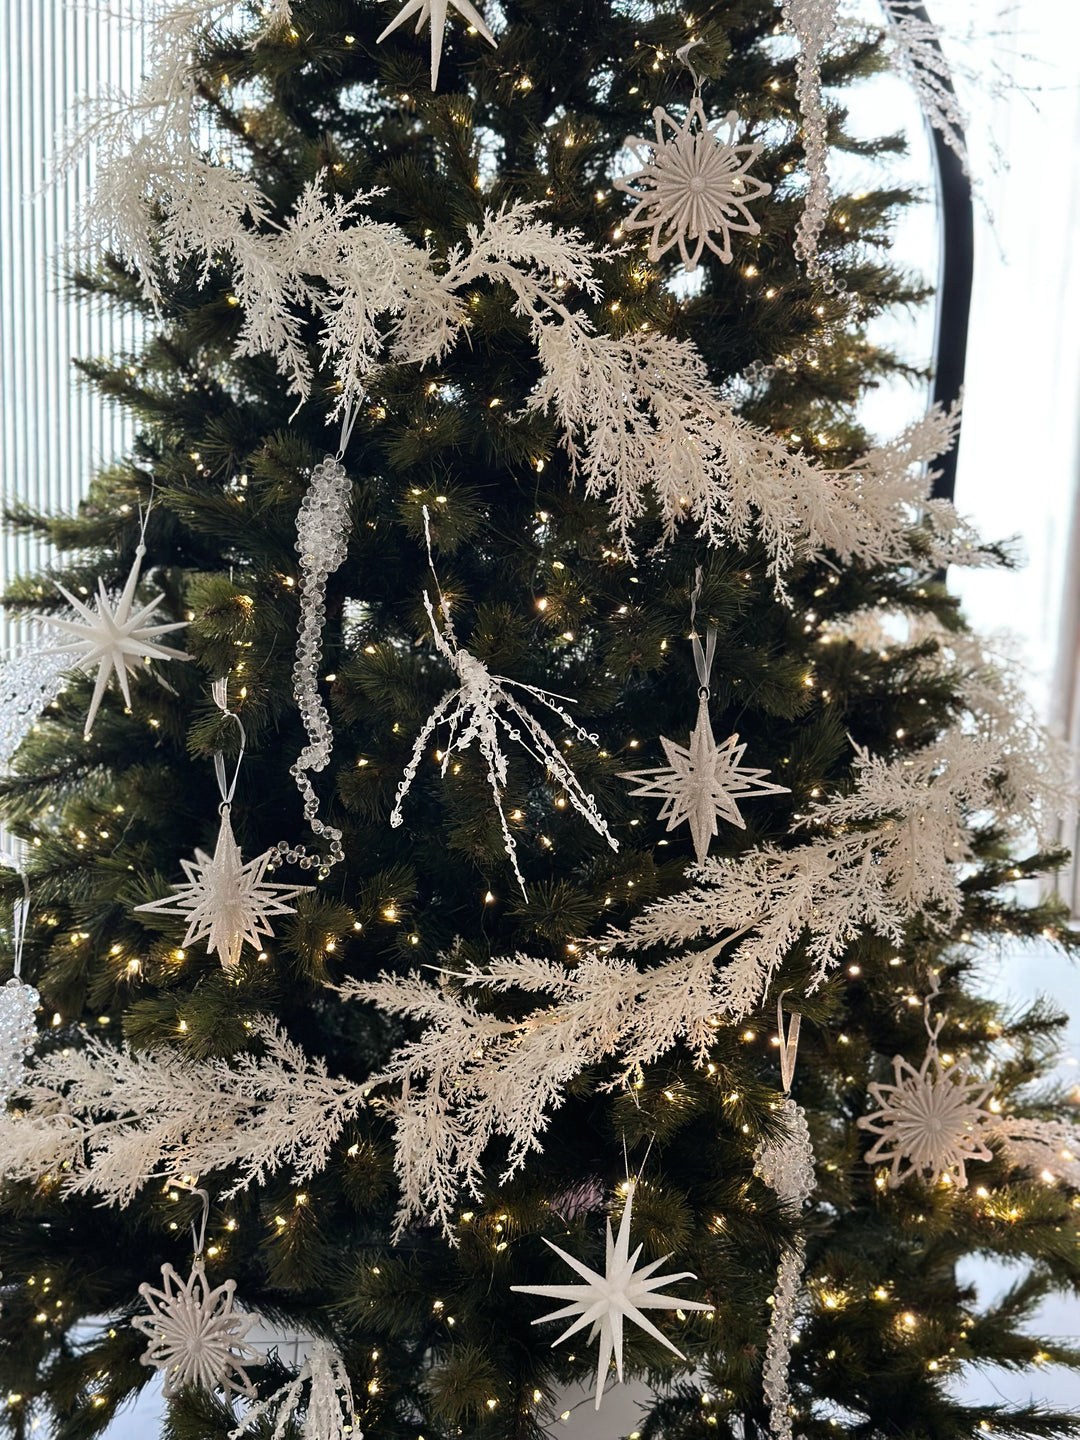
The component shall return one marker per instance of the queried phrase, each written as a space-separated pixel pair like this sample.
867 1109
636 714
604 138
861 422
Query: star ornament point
702 781
434 13
196 1334
621 1293
117 638
692 186
227 903
929 1123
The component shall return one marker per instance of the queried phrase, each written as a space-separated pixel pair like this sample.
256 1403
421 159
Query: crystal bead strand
813 23
322 538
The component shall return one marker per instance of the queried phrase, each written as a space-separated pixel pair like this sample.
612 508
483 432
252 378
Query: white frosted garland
813 22
322 530
330 1410
917 56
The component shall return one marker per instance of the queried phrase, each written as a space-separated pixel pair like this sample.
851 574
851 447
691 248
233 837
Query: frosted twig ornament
196 1334
330 1410
692 185
116 638
702 780
930 1121
322 540
434 12
786 1166
480 707
621 1293
18 1001
227 903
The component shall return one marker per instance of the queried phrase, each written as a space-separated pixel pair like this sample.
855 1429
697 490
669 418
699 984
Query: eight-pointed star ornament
434 12
116 639
701 781
604 1301
930 1121
692 186
196 1335
227 903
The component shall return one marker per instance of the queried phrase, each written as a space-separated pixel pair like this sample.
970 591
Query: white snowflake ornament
227 904
116 639
930 1121
196 1335
692 186
701 781
604 1301
434 12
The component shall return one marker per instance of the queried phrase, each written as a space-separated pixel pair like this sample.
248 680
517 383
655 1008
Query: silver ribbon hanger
789 1041
683 54
703 654
220 692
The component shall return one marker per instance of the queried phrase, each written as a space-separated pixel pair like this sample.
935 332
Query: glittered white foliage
692 185
228 904
604 1302
329 1411
110 1120
113 636
196 1334
916 53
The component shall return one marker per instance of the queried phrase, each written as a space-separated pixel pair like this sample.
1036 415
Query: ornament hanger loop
934 1024
198 1235
789 1041
220 692
683 54
703 654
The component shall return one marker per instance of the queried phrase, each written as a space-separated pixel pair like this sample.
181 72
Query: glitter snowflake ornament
434 12
693 185
621 1293
931 1121
227 903
196 1334
116 639
702 781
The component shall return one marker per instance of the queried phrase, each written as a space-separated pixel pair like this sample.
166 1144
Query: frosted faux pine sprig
110 1119
641 423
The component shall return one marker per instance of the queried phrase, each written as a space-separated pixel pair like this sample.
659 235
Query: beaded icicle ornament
18 1001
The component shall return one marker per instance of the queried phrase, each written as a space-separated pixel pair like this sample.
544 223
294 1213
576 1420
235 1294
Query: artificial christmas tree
557 485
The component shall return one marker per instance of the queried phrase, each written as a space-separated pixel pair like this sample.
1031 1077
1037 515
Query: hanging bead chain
322 538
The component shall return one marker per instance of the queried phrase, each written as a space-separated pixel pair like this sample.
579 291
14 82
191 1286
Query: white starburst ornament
931 1121
227 903
196 1335
693 185
434 13
116 639
621 1293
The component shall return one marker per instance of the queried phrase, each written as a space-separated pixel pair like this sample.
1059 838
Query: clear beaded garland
18 1002
322 540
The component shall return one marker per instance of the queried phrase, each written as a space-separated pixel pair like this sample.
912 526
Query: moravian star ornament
434 12
227 904
604 1301
701 781
117 639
